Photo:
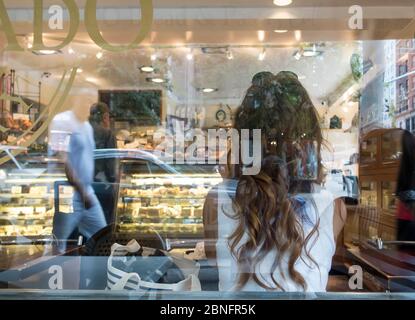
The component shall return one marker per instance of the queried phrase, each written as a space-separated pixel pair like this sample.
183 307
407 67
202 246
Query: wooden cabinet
380 152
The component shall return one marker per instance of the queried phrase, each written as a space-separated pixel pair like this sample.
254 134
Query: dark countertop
22 260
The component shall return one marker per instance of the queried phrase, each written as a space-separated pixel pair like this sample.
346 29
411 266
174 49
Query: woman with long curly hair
275 230
405 189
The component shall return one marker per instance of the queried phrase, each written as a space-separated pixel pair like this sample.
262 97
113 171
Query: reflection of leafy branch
356 63
138 107
392 114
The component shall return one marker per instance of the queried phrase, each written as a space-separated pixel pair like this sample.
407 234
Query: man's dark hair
97 111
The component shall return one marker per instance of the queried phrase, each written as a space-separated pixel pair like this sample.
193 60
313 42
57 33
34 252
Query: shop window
403 69
407 124
413 123
403 91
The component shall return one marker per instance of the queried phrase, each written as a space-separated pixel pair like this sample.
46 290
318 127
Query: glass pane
369 151
368 193
389 200
391 146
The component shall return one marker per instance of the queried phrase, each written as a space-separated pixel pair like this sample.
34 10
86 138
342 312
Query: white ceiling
384 18
321 75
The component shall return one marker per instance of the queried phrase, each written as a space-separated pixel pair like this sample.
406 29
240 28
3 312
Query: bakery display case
27 203
170 203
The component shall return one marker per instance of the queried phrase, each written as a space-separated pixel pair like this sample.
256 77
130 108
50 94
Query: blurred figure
405 189
278 230
106 171
71 139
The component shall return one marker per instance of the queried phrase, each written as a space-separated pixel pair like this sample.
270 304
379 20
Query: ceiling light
345 110
79 70
208 90
301 77
156 80
311 53
147 69
261 35
99 55
297 35
71 51
46 52
282 3
153 57
262 55
280 31
91 79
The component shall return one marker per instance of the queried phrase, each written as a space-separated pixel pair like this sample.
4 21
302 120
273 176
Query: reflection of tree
138 107
392 114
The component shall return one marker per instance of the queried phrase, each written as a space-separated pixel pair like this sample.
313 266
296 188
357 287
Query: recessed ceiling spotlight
99 55
311 53
156 80
91 79
308 53
71 51
208 90
80 70
282 3
147 69
46 52
280 31
153 57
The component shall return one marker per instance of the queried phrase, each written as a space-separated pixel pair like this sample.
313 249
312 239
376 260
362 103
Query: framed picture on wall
134 107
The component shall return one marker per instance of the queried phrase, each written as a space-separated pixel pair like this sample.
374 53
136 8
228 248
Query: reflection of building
389 91
405 84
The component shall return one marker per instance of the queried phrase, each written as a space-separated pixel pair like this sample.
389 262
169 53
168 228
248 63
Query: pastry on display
198 212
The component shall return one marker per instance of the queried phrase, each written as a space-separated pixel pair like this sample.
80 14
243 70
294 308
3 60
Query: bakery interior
192 70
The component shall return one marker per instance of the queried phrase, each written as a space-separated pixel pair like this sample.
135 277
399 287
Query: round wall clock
221 115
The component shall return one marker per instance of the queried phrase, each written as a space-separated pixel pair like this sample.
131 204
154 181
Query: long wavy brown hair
268 215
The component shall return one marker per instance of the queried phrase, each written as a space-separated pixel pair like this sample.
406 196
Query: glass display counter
27 203
169 203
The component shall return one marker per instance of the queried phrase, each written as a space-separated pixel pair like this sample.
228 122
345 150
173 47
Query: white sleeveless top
321 247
